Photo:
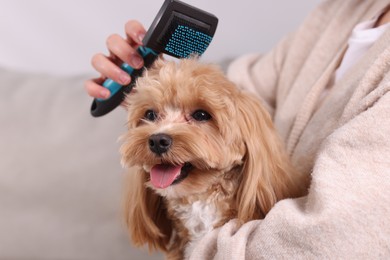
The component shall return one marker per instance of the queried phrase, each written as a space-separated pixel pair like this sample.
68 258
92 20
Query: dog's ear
145 214
267 175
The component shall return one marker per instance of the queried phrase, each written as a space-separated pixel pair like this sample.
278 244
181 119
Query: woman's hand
120 50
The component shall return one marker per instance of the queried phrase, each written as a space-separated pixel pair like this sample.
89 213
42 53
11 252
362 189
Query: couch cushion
60 173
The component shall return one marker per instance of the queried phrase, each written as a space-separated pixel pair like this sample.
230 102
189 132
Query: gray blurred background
61 36
61 181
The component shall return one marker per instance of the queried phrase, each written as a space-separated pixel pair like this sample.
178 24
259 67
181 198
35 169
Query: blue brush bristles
186 41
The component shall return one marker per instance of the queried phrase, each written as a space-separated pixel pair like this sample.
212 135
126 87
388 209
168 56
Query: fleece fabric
342 141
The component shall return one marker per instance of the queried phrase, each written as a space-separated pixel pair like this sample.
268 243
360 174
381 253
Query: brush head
181 30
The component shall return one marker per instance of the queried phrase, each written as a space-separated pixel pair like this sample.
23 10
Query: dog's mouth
165 175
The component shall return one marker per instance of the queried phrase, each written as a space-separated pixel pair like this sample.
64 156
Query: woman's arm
259 74
346 213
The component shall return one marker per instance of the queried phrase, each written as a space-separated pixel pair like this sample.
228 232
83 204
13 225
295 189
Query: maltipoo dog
201 152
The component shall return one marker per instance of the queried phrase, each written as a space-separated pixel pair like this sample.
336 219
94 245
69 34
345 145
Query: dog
201 152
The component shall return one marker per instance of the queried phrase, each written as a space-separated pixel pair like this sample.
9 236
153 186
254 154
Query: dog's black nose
160 143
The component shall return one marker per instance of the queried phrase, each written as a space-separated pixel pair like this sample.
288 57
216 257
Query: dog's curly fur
238 167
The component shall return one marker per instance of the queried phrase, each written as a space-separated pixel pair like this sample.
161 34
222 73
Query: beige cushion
60 173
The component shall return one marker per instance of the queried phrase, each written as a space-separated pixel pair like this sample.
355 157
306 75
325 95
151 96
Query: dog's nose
160 143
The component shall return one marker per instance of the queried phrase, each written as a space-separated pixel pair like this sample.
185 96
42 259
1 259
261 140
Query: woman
327 89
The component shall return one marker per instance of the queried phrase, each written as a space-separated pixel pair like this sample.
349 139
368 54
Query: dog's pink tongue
162 175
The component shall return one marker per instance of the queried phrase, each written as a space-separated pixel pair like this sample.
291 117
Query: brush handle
100 107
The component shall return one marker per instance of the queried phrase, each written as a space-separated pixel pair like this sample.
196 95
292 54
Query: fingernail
124 78
105 93
136 61
140 38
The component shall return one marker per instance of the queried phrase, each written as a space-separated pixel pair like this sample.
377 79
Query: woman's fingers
121 50
109 69
135 32
95 90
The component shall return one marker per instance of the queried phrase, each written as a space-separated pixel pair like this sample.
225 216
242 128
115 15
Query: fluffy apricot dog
200 152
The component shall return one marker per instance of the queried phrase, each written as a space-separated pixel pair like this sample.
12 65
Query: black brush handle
100 107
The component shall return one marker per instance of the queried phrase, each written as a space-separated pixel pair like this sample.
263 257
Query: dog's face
183 127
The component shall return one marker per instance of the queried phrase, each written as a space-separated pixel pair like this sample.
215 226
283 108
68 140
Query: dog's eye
150 115
201 115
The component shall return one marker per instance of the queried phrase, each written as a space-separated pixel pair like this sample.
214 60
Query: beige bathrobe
342 140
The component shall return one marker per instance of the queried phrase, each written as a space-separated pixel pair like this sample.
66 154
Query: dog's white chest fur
199 218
